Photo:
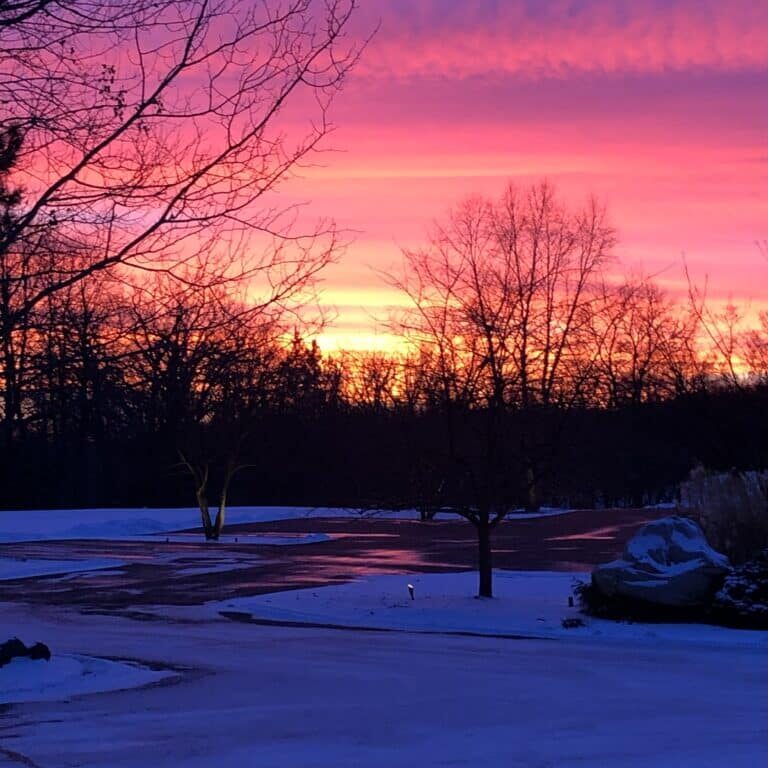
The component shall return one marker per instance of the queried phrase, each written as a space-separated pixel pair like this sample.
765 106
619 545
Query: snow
124 523
262 539
520 514
663 505
22 568
675 536
440 680
127 523
526 603
24 680
319 698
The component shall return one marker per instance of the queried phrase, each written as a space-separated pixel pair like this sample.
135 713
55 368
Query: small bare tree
502 301
199 467
204 360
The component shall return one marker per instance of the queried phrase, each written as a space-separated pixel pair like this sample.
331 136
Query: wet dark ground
190 573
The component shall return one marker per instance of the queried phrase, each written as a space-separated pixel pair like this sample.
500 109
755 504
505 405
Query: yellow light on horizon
333 341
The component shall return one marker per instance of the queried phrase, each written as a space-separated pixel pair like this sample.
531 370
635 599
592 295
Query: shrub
732 509
743 600
14 648
621 608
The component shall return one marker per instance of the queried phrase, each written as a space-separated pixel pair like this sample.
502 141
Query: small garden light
410 591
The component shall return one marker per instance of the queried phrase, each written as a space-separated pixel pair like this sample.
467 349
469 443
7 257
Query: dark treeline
109 400
530 378
355 457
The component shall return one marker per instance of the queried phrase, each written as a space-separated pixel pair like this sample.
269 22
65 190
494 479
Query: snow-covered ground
127 523
272 697
23 568
526 603
449 683
65 676
119 523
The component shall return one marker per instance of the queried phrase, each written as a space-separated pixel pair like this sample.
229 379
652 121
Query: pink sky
658 107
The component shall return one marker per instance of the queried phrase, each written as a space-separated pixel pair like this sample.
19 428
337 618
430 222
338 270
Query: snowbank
65 676
527 603
125 523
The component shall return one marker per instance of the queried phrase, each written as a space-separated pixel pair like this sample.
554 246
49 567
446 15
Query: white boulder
668 562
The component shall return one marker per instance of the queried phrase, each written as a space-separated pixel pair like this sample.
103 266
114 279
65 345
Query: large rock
668 562
743 599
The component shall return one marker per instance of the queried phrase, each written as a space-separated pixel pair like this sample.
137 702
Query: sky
657 107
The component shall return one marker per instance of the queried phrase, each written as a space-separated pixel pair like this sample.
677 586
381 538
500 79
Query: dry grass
732 508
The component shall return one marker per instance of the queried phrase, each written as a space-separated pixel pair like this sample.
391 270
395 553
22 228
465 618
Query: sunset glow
657 108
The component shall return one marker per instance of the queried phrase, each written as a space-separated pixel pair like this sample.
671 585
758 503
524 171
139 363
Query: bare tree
209 369
645 344
755 343
157 131
756 350
205 362
722 333
13 12
372 379
502 301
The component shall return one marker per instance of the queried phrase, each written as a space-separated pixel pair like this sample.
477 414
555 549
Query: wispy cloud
544 38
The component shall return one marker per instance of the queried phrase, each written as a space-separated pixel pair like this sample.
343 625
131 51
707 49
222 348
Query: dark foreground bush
622 608
14 648
743 599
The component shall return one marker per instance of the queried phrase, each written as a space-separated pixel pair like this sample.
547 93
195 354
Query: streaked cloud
658 107
542 38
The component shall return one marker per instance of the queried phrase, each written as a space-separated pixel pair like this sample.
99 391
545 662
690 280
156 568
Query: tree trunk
218 526
533 503
205 516
485 559
10 400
